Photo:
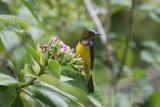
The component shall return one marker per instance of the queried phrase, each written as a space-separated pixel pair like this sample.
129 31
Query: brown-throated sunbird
85 50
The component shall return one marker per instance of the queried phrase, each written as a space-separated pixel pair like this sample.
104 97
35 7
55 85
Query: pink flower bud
65 47
55 39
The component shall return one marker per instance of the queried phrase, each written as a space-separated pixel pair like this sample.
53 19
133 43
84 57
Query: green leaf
18 102
155 17
29 44
138 73
78 81
96 97
153 100
7 19
125 3
2 88
65 78
9 43
29 100
82 96
147 56
58 91
30 8
6 80
13 20
36 67
54 67
25 37
13 48
78 88
4 9
49 97
94 101
7 97
117 8
31 51
29 71
152 45
1 46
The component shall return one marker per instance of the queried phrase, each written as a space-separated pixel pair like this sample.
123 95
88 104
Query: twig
110 61
127 43
105 31
108 16
101 29
109 53
96 20
128 39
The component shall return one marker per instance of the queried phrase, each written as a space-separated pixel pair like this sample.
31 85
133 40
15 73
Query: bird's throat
85 41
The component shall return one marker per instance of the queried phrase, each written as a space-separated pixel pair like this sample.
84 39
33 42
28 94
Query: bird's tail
90 85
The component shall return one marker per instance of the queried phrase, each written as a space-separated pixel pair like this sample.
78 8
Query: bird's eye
90 32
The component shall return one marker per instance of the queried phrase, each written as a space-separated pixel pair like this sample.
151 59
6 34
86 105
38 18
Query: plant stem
128 39
127 45
109 54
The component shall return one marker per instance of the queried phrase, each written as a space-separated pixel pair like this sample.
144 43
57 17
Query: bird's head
88 34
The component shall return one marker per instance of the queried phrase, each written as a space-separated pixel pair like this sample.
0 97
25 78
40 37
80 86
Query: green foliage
48 97
12 20
7 97
54 68
18 102
3 8
27 64
37 69
7 80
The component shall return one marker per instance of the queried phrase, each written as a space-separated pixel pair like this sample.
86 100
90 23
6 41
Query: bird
85 49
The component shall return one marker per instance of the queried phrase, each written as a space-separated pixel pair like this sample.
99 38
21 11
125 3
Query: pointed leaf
65 87
60 92
13 20
6 80
49 97
29 100
4 9
65 78
54 67
1 46
7 97
28 70
96 97
43 84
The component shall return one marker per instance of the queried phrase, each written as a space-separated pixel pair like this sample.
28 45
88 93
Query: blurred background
132 25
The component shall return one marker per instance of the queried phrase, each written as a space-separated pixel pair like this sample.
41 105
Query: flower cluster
59 51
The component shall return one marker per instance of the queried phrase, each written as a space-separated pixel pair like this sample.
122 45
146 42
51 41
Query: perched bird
85 50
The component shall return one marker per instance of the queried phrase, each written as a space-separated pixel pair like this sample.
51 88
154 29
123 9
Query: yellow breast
84 52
